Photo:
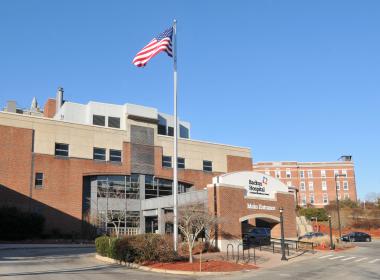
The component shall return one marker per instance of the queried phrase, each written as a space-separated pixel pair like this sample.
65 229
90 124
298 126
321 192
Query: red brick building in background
315 181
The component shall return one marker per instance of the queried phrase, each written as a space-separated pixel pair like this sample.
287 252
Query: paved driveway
79 263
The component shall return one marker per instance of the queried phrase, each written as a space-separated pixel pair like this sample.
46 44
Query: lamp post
283 258
337 202
332 246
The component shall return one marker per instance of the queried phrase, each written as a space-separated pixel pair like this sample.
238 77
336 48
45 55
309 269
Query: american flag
163 42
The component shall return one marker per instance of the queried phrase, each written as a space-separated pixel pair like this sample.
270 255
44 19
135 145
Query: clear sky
293 80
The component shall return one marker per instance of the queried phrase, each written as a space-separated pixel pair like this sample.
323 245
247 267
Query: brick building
315 181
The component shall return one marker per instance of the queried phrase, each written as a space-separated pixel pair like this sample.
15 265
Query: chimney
11 106
59 99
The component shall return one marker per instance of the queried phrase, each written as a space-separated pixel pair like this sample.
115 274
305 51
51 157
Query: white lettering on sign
260 207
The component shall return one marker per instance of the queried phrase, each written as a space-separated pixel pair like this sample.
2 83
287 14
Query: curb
167 271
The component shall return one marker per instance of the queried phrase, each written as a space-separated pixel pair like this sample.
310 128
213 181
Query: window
61 149
98 120
336 172
207 165
38 180
311 186
345 185
115 155
323 173
302 186
312 201
114 122
278 174
344 173
166 161
339 197
161 129
324 186
310 173
302 174
289 183
288 173
181 163
303 199
267 172
325 198
338 185
99 154
346 196
170 131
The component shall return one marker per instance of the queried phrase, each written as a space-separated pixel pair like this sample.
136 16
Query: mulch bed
209 266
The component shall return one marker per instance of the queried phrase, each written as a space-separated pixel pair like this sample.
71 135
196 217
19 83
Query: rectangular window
345 185
311 186
323 173
302 174
170 131
98 120
181 163
62 149
288 173
161 129
114 122
312 201
278 174
166 161
346 196
339 197
303 199
324 186
344 172
302 186
289 183
39 180
115 155
325 199
336 172
207 165
99 154
310 173
338 185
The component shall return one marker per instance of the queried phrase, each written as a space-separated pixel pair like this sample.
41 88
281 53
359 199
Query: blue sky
293 80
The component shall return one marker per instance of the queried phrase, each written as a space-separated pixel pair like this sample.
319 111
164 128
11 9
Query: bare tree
115 217
192 220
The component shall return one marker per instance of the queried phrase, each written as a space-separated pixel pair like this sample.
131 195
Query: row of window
325 198
101 121
62 150
167 162
324 186
303 173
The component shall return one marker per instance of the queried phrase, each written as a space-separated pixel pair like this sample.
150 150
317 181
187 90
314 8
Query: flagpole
175 146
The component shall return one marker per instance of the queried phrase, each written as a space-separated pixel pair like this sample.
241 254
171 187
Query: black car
357 237
257 236
310 235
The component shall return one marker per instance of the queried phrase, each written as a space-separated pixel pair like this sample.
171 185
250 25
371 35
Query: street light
337 202
283 258
332 246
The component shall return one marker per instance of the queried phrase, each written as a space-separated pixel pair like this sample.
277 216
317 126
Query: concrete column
142 196
161 220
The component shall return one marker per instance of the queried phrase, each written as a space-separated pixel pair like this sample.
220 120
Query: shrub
18 225
320 213
137 248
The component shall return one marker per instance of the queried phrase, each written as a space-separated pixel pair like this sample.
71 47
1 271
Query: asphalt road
79 263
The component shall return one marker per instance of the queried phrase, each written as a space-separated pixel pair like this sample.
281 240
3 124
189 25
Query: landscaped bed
209 266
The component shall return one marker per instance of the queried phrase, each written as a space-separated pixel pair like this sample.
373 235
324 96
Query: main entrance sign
257 185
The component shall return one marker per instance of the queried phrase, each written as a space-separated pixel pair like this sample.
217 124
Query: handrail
233 255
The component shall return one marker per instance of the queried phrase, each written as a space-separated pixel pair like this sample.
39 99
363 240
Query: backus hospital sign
257 185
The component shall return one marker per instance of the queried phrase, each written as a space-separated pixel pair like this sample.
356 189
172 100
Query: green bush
137 248
320 213
18 225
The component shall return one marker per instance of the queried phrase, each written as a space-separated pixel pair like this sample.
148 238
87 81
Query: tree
114 217
192 220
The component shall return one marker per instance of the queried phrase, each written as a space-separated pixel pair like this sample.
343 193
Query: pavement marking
362 259
349 258
325 256
375 260
338 257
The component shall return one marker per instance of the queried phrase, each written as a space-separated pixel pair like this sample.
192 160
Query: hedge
137 248
320 213
18 225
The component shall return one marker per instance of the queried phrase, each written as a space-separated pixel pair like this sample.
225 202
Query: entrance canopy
257 185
